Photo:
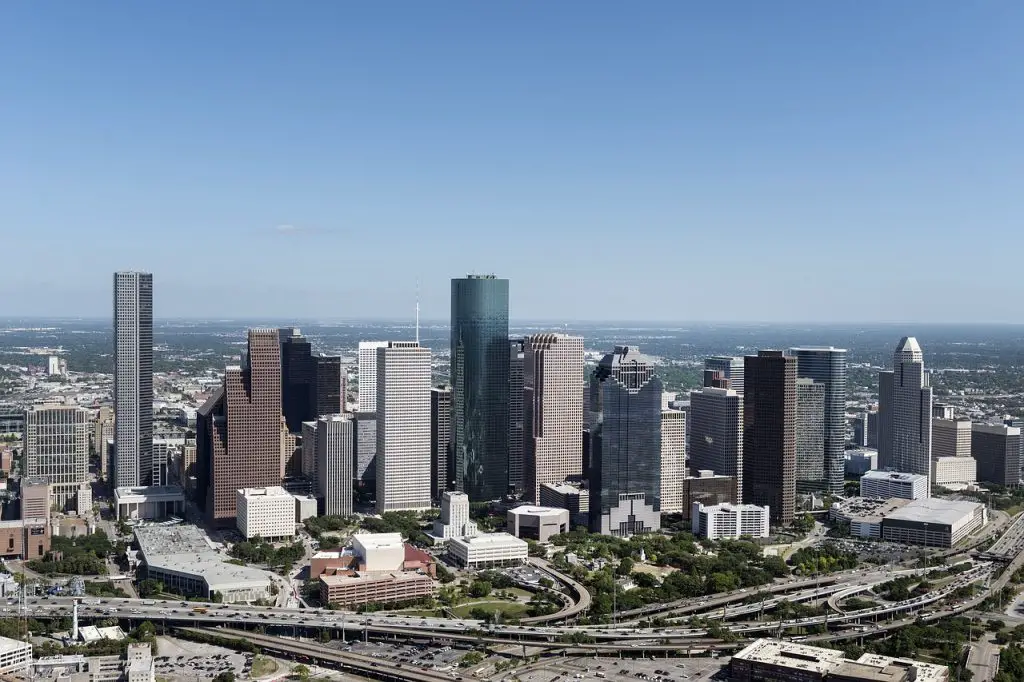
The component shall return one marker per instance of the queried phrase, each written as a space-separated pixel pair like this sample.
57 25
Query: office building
349 589
57 449
673 460
951 437
35 498
516 433
268 513
716 434
625 468
335 439
403 426
440 440
952 472
827 366
905 412
568 495
238 430
330 385
454 521
367 394
366 448
490 550
779 660
810 436
553 410
858 425
308 451
731 369
729 521
860 461
707 488
15 656
311 384
133 378
888 484
769 433
872 436
102 431
537 523
996 449
1019 423
480 370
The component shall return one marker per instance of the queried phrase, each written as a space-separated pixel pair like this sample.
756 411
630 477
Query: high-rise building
238 431
827 366
57 449
103 433
730 367
309 451
716 434
673 460
310 383
810 435
328 392
440 439
625 469
133 379
403 426
1019 423
769 433
905 412
872 436
367 399
480 385
516 433
366 448
951 437
552 410
334 441
996 449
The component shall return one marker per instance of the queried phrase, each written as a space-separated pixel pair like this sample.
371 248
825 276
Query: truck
149 602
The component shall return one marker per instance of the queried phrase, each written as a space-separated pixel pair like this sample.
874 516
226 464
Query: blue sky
783 161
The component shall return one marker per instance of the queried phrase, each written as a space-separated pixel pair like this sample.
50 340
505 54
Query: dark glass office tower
328 398
440 440
828 366
298 374
480 386
769 433
625 457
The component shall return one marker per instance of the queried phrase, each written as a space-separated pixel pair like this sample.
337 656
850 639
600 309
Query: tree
625 567
228 676
149 587
479 588
300 672
444 575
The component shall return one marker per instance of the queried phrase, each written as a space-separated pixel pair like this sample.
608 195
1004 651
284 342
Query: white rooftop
935 510
490 539
185 550
528 510
792 654
8 645
379 540
269 491
880 475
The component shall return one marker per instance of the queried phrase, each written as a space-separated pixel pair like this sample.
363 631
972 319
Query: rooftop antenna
417 311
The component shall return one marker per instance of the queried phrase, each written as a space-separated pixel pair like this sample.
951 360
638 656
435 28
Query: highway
580 604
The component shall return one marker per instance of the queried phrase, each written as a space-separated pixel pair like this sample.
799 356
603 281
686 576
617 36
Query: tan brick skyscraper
552 410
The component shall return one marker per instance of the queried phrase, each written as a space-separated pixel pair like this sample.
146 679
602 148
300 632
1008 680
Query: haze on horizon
664 162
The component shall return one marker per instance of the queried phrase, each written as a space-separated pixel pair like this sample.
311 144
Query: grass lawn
422 613
263 666
508 609
519 592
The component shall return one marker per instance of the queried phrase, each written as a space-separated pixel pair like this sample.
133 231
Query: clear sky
772 161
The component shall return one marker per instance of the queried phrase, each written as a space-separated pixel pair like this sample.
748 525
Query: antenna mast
417 312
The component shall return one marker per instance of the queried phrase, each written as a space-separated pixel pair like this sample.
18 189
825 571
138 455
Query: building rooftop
185 550
269 491
935 510
396 576
867 509
379 540
734 508
791 654
531 510
879 475
565 488
153 492
8 645
490 539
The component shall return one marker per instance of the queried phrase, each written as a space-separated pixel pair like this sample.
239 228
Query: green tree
479 588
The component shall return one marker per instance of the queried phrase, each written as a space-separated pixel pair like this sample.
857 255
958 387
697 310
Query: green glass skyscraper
480 386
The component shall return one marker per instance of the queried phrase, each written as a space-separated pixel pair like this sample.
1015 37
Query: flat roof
150 493
791 655
867 509
564 488
488 539
269 491
880 475
8 645
935 510
529 510
396 576
185 550
379 540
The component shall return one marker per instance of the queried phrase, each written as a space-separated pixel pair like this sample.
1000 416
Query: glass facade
480 386
828 366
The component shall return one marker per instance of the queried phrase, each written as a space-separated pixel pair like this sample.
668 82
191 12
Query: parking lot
620 670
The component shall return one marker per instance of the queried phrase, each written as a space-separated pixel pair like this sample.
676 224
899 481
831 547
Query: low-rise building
729 521
865 515
860 461
931 522
887 484
15 655
568 495
150 503
25 538
349 589
265 512
305 507
774 659
708 488
488 550
379 552
537 523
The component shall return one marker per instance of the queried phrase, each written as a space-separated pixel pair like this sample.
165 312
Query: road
983 660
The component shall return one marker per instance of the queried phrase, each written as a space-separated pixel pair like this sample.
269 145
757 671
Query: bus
199 609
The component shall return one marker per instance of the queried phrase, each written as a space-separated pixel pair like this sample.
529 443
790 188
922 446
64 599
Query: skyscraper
716 434
730 367
552 410
480 385
334 441
673 460
905 412
625 469
298 377
133 379
367 400
328 397
810 435
827 366
403 426
769 433
996 448
238 431
57 449
951 437
440 440
516 432
366 448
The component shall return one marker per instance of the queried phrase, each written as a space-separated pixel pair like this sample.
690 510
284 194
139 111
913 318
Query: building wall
810 436
334 441
403 426
951 438
827 366
266 513
516 406
29 540
731 369
381 590
708 491
673 460
715 432
133 378
440 440
954 470
367 398
57 449
905 413
769 433
366 447
996 449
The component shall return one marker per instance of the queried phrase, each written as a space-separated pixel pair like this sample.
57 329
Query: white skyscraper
673 460
334 440
403 426
57 449
133 379
368 374
905 412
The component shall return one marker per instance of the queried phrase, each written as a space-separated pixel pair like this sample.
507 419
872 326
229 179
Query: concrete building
103 431
440 440
707 488
731 369
552 410
480 371
769 433
139 665
27 538
365 473
886 484
305 508
934 522
861 461
335 438
57 449
673 460
954 471
182 558
625 467
716 434
268 513
403 426
83 499
308 452
996 448
782 661
516 405
379 552
905 412
537 523
349 590
810 436
454 521
729 521
133 379
488 551
35 498
951 437
238 430
15 656
827 366
572 496
367 394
